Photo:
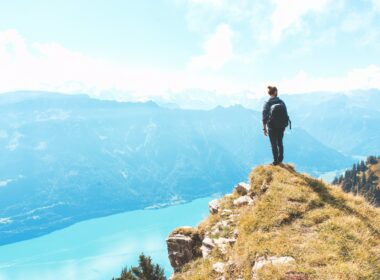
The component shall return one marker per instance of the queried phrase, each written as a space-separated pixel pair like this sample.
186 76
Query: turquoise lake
99 248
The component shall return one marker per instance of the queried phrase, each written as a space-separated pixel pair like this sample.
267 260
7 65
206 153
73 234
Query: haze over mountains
67 158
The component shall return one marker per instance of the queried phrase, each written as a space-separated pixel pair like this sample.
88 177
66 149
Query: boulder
264 261
242 188
223 243
183 246
243 200
207 245
218 267
214 206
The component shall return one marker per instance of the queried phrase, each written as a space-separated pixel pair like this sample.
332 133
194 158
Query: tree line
361 180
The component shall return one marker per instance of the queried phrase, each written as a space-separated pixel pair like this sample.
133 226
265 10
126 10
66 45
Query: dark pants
275 137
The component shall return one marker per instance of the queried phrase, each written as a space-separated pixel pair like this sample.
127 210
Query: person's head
272 91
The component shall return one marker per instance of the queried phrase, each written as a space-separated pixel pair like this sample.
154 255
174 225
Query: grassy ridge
330 234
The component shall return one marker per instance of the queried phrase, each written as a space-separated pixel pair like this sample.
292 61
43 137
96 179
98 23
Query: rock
223 223
236 233
215 231
243 200
219 226
218 267
223 243
264 187
226 212
207 246
242 188
252 201
183 246
214 206
208 242
205 252
263 261
292 275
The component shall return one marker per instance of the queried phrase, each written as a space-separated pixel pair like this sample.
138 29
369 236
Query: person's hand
265 132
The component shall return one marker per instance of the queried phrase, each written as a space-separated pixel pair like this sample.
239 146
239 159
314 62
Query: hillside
283 225
68 158
362 179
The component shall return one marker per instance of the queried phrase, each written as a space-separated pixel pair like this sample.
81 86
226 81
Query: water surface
99 248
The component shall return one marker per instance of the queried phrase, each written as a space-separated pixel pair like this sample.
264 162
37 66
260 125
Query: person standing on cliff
275 120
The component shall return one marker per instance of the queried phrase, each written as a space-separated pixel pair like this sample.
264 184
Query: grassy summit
329 233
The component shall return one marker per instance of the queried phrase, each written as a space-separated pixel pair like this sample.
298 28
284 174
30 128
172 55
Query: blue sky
136 50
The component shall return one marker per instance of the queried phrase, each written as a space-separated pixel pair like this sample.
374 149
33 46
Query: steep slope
283 225
69 158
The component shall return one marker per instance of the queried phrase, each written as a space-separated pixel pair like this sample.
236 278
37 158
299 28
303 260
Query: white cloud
52 67
376 5
14 141
361 78
214 3
355 21
4 183
3 134
41 146
288 14
6 220
218 50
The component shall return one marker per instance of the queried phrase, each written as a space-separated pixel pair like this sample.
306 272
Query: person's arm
265 117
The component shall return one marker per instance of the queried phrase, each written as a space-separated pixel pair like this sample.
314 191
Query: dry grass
331 234
376 169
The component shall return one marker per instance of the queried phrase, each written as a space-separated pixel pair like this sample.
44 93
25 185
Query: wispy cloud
239 46
218 50
360 78
288 14
376 5
4 183
50 66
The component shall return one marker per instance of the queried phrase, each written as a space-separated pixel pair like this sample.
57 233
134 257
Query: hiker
275 120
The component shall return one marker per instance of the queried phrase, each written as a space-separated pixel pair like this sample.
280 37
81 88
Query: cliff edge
282 225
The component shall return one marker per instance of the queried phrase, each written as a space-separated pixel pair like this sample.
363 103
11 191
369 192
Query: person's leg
280 136
273 141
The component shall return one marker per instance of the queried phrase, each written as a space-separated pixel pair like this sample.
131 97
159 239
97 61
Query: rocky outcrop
260 232
183 246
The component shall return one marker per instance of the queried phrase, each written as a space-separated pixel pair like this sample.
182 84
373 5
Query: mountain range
67 158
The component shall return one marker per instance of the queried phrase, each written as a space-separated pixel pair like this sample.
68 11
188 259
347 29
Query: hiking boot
274 163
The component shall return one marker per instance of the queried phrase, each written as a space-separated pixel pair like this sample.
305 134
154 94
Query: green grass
331 234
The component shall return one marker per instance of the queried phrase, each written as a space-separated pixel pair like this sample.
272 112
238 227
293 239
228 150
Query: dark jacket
267 106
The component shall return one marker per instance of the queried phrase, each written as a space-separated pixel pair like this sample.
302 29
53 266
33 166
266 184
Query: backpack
278 116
